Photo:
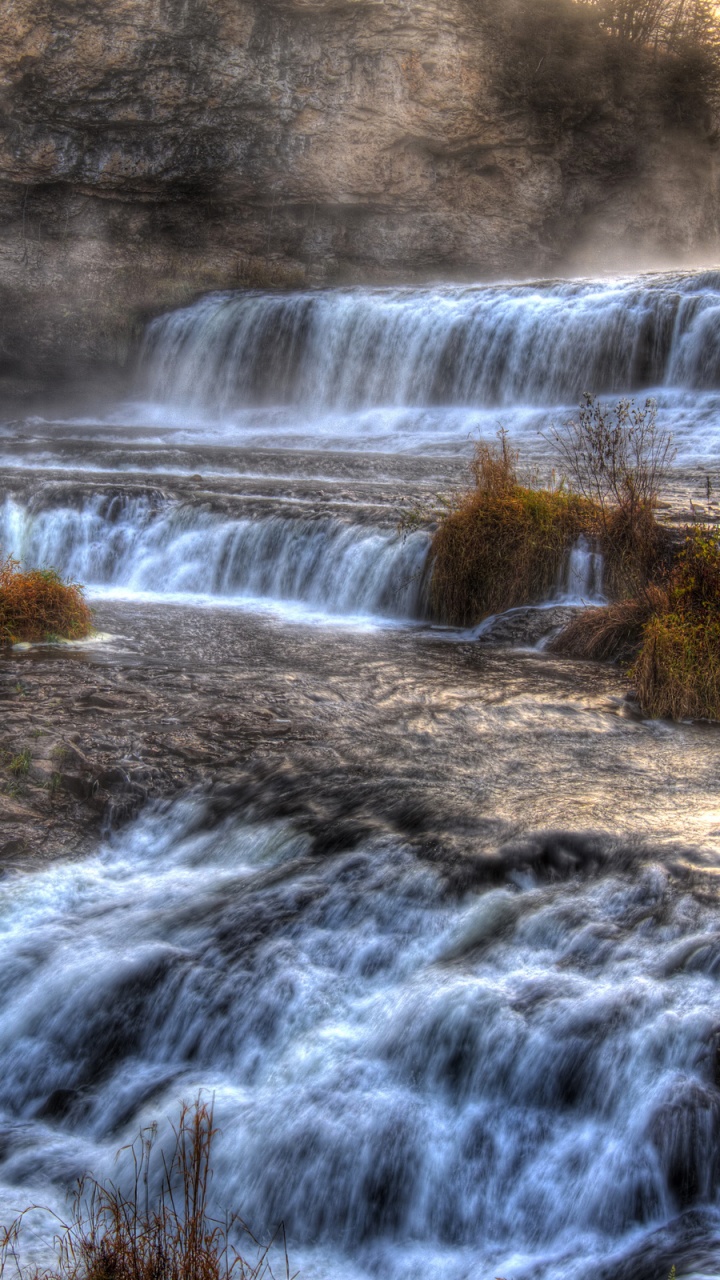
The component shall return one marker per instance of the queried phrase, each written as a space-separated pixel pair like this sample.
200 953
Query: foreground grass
132 1234
160 1228
669 633
38 605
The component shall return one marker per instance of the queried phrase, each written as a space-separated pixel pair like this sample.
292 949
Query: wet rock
451 748
79 787
101 701
13 848
113 779
57 1104
554 855
72 756
524 626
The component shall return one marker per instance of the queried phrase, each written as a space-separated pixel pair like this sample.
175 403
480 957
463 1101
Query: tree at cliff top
665 24
582 63
682 38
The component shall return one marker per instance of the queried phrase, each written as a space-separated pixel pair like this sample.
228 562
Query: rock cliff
152 148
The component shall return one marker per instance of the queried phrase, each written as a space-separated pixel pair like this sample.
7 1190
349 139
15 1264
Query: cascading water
518 1081
540 344
425 370
131 546
410 370
581 577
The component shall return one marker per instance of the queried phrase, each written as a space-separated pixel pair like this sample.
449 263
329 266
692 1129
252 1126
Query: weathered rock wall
152 148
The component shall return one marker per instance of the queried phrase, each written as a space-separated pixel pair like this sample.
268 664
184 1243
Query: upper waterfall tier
536 344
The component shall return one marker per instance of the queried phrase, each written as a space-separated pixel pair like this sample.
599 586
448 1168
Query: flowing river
445 944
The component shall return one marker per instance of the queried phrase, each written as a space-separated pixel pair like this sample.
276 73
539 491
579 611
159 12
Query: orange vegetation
38 605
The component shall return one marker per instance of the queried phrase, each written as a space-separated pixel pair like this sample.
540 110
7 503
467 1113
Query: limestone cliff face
150 148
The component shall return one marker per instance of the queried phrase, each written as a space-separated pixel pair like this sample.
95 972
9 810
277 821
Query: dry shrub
617 457
613 633
503 544
677 673
114 1235
38 605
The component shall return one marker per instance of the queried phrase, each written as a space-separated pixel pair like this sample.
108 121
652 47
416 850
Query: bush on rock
503 544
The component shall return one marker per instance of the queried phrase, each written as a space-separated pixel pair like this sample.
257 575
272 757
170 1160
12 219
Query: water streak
136 545
581 577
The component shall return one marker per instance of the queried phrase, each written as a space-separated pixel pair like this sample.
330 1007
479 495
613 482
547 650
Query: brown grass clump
677 673
135 1235
503 544
613 633
38 605
671 631
637 549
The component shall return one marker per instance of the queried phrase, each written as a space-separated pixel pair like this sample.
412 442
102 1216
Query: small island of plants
37 605
503 543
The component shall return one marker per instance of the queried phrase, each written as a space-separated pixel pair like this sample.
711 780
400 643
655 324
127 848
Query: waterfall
538 344
134 546
581 577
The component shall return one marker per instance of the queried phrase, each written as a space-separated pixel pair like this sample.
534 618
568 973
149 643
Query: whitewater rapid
401 372
541 344
137 547
143 548
516 1078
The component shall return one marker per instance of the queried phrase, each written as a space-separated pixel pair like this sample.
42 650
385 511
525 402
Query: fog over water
451 971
